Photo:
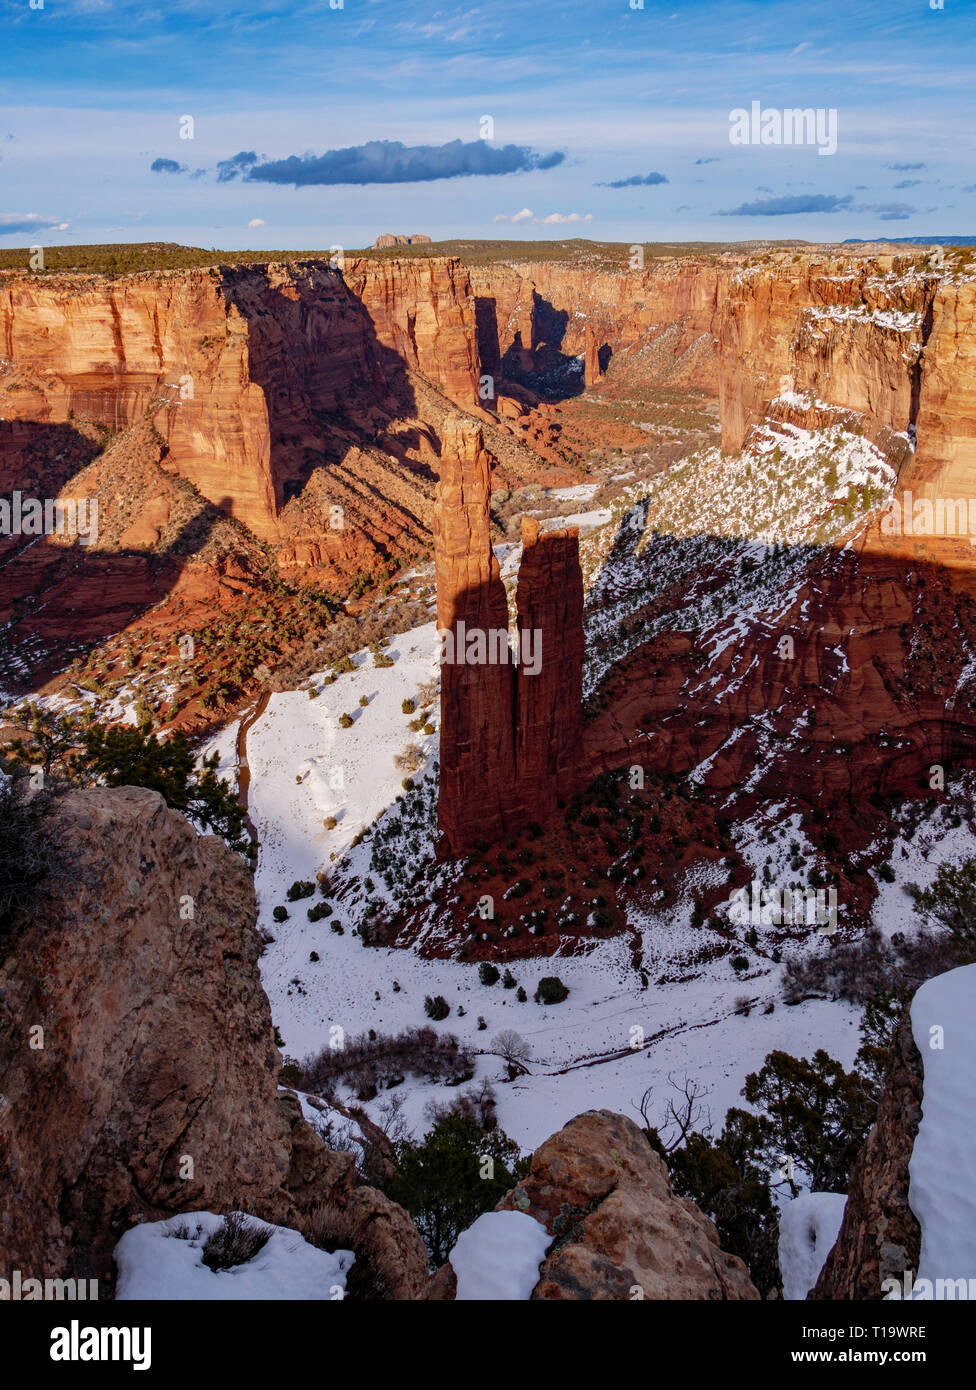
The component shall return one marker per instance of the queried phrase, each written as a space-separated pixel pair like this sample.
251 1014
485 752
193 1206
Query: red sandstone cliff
240 367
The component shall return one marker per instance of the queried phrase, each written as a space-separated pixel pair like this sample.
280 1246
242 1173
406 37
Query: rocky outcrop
549 700
618 1231
880 1237
137 1065
510 741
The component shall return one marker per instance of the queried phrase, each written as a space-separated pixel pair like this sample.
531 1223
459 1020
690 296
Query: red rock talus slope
243 361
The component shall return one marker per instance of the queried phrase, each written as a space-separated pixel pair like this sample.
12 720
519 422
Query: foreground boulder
618 1231
137 1065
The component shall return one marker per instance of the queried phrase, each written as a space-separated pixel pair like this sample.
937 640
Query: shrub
280 914
320 910
488 973
436 1007
739 962
345 721
301 888
550 990
364 700
409 706
508 980
330 822
235 1241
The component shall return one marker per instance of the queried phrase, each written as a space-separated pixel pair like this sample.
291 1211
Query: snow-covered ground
164 1260
808 1228
942 1189
498 1257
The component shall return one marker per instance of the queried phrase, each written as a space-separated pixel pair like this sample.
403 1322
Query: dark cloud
390 161
784 207
905 168
636 181
234 167
708 159
969 188
908 183
166 166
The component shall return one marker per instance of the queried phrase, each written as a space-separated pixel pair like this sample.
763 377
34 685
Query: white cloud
555 218
526 215
257 222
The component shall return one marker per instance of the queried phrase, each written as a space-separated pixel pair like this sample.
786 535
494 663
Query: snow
942 1170
599 516
497 1258
582 492
808 1229
154 1263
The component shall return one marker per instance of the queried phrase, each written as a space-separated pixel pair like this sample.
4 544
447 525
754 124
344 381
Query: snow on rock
164 1260
808 1229
498 1256
942 1187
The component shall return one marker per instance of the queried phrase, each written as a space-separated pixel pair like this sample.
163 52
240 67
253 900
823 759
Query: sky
290 125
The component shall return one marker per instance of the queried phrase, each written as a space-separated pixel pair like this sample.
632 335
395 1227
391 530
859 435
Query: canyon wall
250 371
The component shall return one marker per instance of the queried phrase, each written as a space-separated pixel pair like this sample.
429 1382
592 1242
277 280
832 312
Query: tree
514 1051
814 1112
951 901
81 750
453 1175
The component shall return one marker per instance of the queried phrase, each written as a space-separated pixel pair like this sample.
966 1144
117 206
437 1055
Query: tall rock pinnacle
510 727
477 700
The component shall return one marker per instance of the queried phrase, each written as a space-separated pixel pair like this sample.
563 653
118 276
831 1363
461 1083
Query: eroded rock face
245 364
603 1194
549 700
477 699
156 1088
510 740
880 1237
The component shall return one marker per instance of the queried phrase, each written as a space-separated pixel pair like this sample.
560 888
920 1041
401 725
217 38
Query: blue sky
583 95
